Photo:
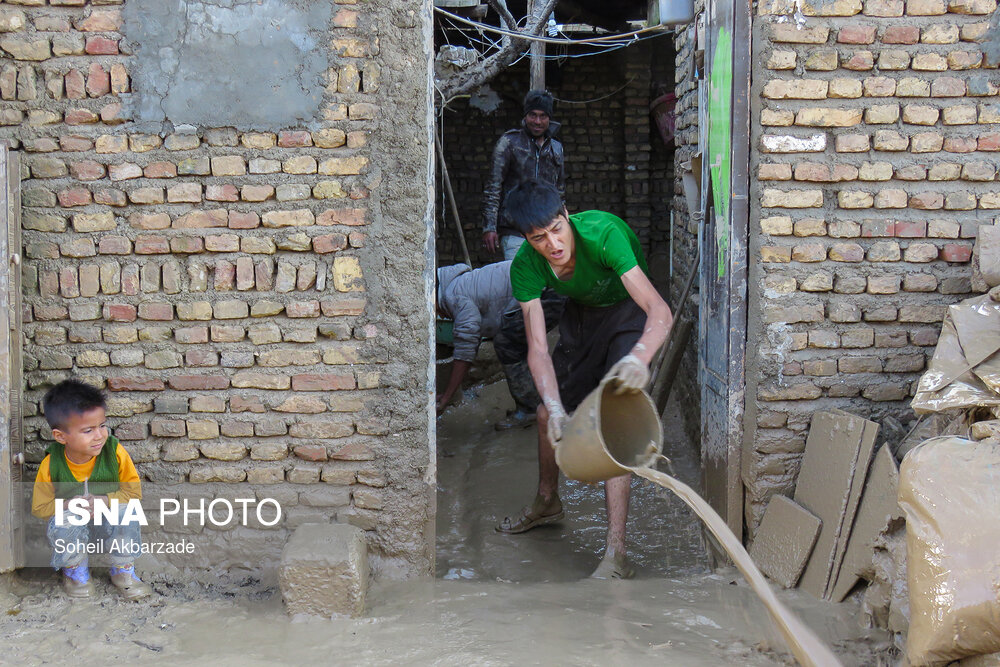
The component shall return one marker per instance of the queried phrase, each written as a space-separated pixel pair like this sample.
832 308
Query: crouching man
613 323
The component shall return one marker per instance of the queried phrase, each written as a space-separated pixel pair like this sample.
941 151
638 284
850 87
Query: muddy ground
497 599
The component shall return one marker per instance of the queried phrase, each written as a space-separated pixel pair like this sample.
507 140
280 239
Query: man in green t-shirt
613 324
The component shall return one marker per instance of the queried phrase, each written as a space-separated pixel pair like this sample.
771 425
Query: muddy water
805 645
498 600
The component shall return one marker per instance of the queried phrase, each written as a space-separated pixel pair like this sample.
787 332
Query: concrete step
324 571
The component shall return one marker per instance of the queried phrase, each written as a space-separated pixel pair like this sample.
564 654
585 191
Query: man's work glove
630 374
557 420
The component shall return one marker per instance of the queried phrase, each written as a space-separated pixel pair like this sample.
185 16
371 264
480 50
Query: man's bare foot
613 566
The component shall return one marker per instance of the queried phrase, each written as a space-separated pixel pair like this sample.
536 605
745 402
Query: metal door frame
11 432
723 242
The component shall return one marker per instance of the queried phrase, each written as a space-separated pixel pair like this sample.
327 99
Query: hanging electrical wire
548 40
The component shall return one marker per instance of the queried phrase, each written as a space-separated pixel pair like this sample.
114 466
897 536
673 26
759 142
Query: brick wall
231 288
875 136
615 161
686 223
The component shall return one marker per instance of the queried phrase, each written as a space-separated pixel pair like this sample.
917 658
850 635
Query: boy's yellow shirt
43 494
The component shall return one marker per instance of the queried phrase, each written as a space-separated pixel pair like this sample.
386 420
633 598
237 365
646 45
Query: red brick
311 452
113 114
343 216
345 18
152 245
956 252
187 244
162 312
101 46
106 20
302 309
876 228
909 230
74 197
160 170
355 451
114 245
358 239
135 384
960 144
856 34
98 81
239 404
225 192
989 142
190 335
86 170
80 117
75 144
294 139
322 382
901 34
201 358
119 312
76 85
131 431
200 382
947 86
239 220
329 243
342 307
110 196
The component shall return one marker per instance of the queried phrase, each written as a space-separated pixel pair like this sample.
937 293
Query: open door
723 270
11 439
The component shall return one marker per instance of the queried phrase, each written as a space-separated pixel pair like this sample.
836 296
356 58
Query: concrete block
786 537
324 570
878 507
838 452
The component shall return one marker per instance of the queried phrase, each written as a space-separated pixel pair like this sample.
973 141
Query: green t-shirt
605 248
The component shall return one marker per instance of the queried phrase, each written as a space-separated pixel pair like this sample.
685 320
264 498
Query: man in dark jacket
530 152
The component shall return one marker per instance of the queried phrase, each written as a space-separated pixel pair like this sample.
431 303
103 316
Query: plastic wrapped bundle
950 490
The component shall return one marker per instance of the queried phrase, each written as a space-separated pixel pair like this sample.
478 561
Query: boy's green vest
102 481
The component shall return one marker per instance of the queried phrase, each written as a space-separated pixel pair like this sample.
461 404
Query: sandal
613 567
532 517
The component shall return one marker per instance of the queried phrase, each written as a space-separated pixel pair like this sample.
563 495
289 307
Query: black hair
538 100
68 398
531 205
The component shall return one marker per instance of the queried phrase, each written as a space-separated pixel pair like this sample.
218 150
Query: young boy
86 462
613 324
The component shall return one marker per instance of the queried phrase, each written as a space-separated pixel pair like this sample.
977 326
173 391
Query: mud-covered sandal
532 517
613 566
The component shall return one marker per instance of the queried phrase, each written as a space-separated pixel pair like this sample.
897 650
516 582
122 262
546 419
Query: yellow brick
347 276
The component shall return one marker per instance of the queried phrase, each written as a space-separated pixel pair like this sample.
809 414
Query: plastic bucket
609 433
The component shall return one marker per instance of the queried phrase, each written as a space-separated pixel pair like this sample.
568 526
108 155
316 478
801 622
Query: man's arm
491 195
467 331
542 370
659 319
459 369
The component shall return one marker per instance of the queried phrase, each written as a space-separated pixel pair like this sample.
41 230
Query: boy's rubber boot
129 585
76 583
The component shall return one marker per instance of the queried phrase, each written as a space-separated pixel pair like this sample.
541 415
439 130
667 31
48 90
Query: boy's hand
557 420
630 374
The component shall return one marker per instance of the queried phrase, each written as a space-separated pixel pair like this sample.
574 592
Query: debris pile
845 522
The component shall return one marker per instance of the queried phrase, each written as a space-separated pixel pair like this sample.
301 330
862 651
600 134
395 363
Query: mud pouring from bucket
611 435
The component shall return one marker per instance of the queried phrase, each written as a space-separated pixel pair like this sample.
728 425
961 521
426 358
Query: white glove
630 374
557 419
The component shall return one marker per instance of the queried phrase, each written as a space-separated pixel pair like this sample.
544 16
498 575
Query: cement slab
786 537
838 448
878 507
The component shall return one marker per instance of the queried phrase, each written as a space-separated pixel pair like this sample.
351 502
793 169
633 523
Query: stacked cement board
822 538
